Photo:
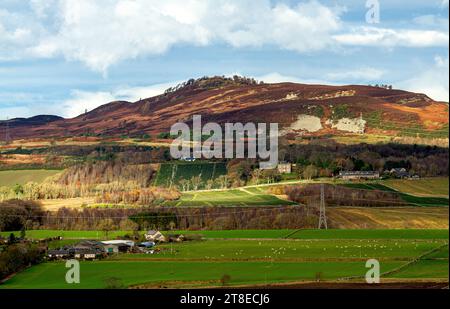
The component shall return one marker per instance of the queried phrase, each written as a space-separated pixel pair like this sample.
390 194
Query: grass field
12 177
371 234
293 250
242 197
329 255
425 201
171 173
421 187
179 273
258 234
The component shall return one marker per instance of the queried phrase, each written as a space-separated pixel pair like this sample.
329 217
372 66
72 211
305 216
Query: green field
171 173
408 198
12 177
370 234
423 269
293 250
427 186
256 261
190 273
243 197
282 233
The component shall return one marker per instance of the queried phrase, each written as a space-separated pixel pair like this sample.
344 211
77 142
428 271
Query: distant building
399 172
129 243
353 175
88 249
284 167
59 254
155 236
116 246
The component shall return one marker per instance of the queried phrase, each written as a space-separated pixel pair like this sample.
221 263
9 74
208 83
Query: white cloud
360 74
433 81
383 37
276 77
102 33
86 100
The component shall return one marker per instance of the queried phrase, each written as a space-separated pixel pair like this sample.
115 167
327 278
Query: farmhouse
352 175
399 172
155 236
284 167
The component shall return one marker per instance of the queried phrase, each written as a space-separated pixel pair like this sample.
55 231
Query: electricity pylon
323 215
7 135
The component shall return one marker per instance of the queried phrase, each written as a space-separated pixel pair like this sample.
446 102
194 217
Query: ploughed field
259 257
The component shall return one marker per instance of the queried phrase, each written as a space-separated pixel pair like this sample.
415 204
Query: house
352 175
284 167
155 236
399 172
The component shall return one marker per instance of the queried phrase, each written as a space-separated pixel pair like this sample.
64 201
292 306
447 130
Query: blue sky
64 56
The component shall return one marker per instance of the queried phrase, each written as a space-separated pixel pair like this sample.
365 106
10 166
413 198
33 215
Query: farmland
421 187
259 234
311 254
388 217
182 273
237 197
425 201
12 177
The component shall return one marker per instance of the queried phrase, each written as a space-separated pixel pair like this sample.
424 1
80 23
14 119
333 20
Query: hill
38 120
300 109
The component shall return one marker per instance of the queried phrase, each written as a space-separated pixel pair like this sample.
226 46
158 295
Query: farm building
88 250
155 236
353 175
59 254
116 246
399 172
284 167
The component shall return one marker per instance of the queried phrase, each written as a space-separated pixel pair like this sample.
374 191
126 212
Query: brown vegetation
223 100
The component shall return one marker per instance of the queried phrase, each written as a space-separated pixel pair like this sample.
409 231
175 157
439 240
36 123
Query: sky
62 57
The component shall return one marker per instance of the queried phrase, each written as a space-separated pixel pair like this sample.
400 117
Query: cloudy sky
64 56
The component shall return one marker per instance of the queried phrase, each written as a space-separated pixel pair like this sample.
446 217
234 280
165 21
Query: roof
119 242
398 169
58 251
358 173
